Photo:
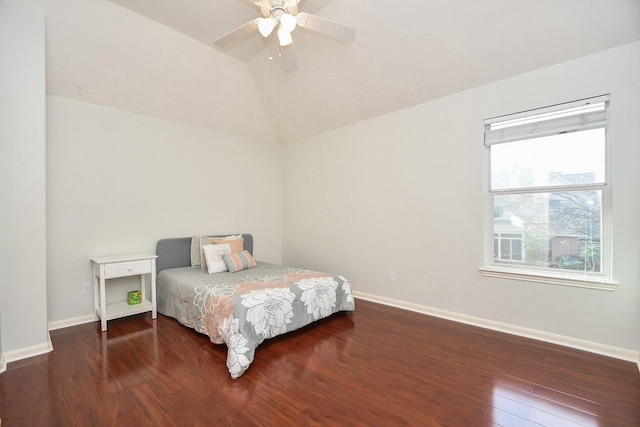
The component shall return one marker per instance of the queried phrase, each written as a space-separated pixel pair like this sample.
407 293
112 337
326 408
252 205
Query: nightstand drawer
127 268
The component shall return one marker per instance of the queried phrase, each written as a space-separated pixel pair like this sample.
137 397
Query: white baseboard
23 353
59 324
602 349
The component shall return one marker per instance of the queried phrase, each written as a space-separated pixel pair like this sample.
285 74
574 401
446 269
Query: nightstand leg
103 302
143 286
96 294
154 311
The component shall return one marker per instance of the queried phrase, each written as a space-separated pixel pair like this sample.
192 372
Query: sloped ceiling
156 57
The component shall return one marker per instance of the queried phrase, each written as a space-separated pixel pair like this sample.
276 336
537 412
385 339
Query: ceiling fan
282 17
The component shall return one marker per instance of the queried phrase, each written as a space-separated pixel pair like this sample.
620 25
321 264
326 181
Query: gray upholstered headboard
176 252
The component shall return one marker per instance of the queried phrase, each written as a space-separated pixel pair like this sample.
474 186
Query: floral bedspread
243 309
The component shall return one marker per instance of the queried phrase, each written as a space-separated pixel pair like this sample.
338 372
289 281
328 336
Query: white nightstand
110 267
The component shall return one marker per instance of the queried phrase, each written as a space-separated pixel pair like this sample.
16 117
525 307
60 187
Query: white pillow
213 257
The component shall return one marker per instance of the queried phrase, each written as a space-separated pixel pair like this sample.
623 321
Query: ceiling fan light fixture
284 37
288 22
266 26
284 16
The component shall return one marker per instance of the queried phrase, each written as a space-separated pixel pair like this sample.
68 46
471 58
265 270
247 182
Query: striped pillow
238 261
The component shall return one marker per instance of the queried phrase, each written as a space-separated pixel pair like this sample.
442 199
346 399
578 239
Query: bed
244 307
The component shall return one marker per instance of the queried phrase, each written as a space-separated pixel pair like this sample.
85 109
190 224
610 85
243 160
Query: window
507 247
547 195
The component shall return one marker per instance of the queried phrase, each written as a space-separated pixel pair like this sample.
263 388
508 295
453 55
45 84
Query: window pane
507 247
559 230
566 159
516 249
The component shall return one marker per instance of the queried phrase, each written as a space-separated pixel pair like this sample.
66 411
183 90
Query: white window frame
517 127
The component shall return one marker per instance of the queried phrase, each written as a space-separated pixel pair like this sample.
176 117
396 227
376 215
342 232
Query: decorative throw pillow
213 257
236 242
238 261
196 250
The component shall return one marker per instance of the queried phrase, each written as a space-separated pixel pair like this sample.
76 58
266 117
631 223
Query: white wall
117 182
23 280
404 192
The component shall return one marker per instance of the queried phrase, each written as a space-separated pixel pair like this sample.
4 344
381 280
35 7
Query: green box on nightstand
134 297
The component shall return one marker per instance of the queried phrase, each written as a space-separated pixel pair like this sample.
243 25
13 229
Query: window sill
594 282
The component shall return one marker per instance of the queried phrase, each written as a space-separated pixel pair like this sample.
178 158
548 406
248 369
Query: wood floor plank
537 410
378 366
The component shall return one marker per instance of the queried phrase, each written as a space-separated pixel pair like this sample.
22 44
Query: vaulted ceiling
156 57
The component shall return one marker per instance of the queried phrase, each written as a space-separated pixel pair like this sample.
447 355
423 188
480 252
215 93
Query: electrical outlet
86 288
392 276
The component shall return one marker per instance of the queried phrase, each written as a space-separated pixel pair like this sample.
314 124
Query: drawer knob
129 268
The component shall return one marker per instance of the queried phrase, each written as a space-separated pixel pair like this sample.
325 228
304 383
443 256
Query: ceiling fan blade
237 34
265 8
291 3
292 6
288 56
327 27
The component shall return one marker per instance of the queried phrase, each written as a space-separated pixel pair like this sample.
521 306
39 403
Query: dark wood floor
376 366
